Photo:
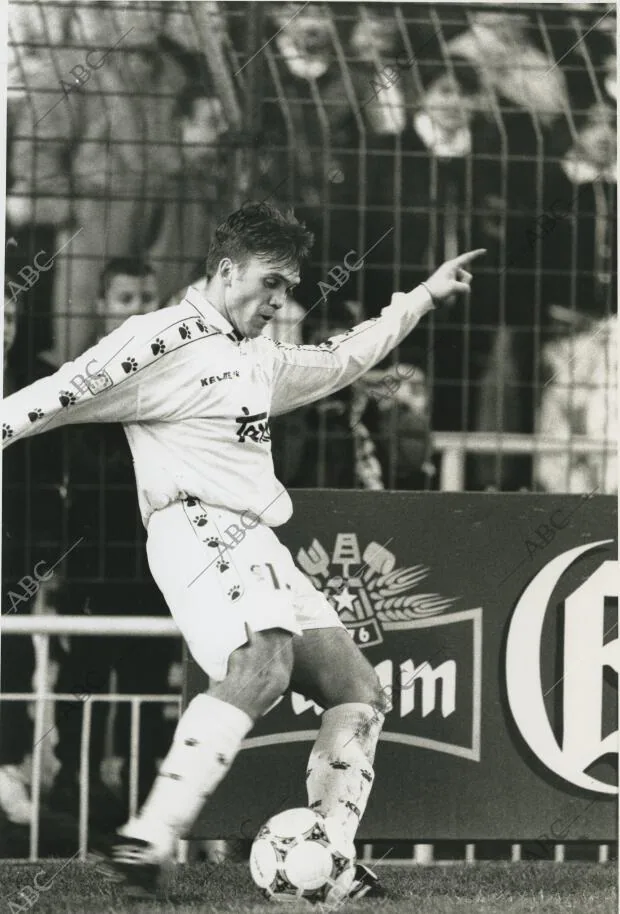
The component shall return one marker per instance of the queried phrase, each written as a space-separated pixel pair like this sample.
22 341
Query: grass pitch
482 888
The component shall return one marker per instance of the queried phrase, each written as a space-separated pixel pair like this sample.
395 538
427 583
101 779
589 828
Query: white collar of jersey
195 296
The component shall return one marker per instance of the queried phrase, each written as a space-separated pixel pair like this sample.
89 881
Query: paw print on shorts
201 520
201 326
7 431
190 502
35 414
235 592
185 332
213 542
158 346
129 365
67 398
222 566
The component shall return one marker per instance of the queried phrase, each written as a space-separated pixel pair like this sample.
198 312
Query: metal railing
44 627
455 446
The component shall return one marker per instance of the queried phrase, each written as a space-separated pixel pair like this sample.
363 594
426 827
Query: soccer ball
299 854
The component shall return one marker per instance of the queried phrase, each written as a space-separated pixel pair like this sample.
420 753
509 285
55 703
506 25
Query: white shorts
216 581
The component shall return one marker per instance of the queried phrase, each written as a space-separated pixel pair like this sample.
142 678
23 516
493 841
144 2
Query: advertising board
493 620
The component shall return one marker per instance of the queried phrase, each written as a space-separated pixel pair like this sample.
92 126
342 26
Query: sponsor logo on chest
254 428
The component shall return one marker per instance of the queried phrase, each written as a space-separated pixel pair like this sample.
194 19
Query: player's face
10 323
255 291
128 295
446 104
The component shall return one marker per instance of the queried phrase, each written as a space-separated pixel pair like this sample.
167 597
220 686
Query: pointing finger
464 259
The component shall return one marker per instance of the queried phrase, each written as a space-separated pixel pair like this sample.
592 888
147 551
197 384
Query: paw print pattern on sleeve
35 414
67 398
129 364
166 340
7 431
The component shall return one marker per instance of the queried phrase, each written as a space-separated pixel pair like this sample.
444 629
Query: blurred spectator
201 191
569 241
127 287
428 188
25 556
106 575
33 28
580 397
17 665
375 40
96 157
580 232
587 48
338 450
511 65
318 107
395 406
10 331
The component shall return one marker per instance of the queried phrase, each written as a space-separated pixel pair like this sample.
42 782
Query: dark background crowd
401 134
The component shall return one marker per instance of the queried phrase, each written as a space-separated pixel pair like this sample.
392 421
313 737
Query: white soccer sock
206 741
340 773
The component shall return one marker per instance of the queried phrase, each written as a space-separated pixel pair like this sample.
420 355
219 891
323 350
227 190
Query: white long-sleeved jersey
195 400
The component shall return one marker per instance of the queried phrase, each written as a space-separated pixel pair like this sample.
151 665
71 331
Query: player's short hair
260 230
123 266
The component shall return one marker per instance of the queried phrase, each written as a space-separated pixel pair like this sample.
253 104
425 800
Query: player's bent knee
382 699
260 671
370 691
361 689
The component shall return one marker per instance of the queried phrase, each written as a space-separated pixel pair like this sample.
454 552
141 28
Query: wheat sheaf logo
367 590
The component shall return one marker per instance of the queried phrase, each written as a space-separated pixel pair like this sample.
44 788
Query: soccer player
194 386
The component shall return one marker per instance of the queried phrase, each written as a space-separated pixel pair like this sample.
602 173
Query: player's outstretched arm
92 388
304 374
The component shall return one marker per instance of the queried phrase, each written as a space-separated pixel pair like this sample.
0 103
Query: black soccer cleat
129 863
365 884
